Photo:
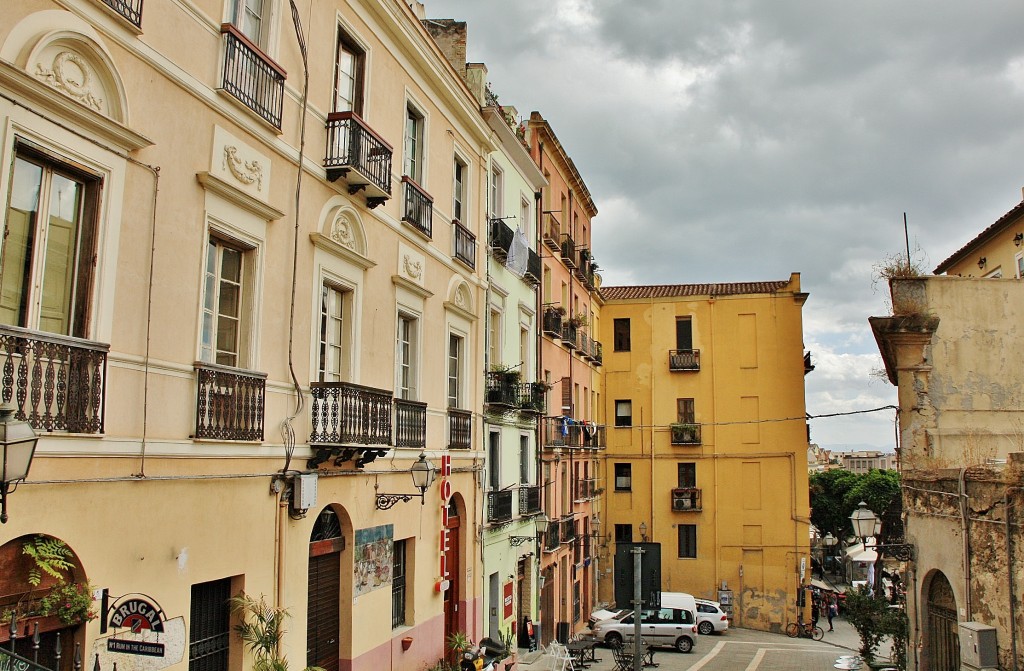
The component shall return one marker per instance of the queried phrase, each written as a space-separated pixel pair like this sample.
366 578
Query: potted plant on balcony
683 433
578 320
52 599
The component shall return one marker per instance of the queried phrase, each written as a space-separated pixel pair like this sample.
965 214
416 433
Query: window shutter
567 396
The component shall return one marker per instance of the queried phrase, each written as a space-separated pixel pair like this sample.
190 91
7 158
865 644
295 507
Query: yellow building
707 440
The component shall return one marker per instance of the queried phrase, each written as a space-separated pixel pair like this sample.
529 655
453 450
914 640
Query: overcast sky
729 140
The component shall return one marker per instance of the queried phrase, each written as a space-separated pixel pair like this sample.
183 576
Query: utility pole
638 649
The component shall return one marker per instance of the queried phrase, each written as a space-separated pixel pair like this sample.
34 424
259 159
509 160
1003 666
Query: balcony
592 436
686 434
585 490
418 207
129 9
56 383
531 397
251 77
551 323
683 359
410 424
554 536
460 429
569 335
568 249
562 432
499 507
582 264
686 499
349 421
465 245
499 237
229 403
502 389
583 343
551 233
360 156
568 527
529 499
533 269
596 352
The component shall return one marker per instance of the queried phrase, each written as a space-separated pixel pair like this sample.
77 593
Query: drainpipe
1009 578
650 300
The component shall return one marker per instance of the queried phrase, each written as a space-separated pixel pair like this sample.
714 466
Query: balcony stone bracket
360 456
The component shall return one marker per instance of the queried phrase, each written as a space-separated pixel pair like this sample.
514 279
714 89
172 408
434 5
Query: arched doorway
452 595
58 577
942 643
323 615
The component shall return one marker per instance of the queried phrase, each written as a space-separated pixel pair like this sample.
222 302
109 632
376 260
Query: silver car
668 627
711 617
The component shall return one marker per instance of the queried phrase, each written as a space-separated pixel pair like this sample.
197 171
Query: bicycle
804 630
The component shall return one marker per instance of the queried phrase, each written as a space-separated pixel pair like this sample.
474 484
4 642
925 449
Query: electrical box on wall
978 646
304 494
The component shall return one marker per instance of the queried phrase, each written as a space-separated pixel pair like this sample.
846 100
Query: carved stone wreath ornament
70 74
413 269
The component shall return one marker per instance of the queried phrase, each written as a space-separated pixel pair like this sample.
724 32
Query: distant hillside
856 447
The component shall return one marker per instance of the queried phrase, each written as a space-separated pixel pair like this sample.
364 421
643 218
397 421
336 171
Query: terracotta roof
674 290
982 237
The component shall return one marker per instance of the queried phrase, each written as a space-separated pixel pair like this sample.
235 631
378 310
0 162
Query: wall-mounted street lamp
1018 239
643 532
423 473
17 447
982 262
866 525
542 523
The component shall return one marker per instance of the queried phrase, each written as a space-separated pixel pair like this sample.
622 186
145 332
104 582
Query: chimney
451 36
418 9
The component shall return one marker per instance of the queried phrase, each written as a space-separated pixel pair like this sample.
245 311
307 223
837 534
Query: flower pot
406 643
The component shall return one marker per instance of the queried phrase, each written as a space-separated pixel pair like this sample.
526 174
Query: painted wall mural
373 560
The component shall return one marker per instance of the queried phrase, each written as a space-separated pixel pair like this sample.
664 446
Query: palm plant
262 629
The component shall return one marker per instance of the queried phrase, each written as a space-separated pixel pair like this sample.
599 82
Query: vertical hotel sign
446 494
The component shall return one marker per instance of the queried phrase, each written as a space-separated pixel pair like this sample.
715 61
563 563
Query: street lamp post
866 525
17 447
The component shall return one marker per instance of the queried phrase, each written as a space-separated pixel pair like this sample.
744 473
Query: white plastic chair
560 658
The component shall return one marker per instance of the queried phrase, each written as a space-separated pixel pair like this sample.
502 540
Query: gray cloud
737 140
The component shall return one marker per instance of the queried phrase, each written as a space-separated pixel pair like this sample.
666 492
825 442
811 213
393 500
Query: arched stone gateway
942 644
44 587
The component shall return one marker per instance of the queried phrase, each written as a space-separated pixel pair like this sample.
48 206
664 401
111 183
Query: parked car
711 617
669 627
601 614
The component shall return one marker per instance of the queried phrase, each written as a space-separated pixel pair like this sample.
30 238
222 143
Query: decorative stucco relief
413 269
246 172
341 231
72 75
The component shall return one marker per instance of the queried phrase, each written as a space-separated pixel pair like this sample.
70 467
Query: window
225 337
494 346
524 215
687 541
524 348
454 371
250 17
687 475
494 460
398 586
335 315
621 335
684 333
348 82
47 261
524 460
1020 266
623 477
406 357
414 144
623 533
497 192
623 413
459 191
209 632
684 411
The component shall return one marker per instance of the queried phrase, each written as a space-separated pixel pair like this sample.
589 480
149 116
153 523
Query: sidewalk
845 636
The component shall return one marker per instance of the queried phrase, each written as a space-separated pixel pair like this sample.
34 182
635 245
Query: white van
674 624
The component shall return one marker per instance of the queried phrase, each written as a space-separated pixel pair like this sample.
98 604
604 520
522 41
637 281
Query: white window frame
414 149
1019 264
342 362
239 8
248 298
460 190
407 356
495 321
496 191
346 36
455 370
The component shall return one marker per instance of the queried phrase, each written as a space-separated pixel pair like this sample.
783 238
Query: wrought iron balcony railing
551 323
686 434
499 506
554 536
460 429
418 207
562 432
56 383
534 271
502 389
359 155
230 403
684 359
551 232
350 414
465 245
252 77
686 498
529 500
410 423
499 237
569 335
568 527
583 343
129 9
593 436
596 352
568 250
531 397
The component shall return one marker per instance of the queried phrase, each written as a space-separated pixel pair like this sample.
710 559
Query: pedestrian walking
833 610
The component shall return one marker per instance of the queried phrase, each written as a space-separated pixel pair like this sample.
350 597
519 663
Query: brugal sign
446 494
143 639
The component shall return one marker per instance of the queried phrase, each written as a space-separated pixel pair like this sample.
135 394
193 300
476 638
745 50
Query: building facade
234 372
707 451
570 358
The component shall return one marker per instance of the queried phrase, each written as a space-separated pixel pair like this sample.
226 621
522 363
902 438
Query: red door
451 595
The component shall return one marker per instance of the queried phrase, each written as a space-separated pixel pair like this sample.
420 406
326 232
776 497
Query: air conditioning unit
682 499
978 646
